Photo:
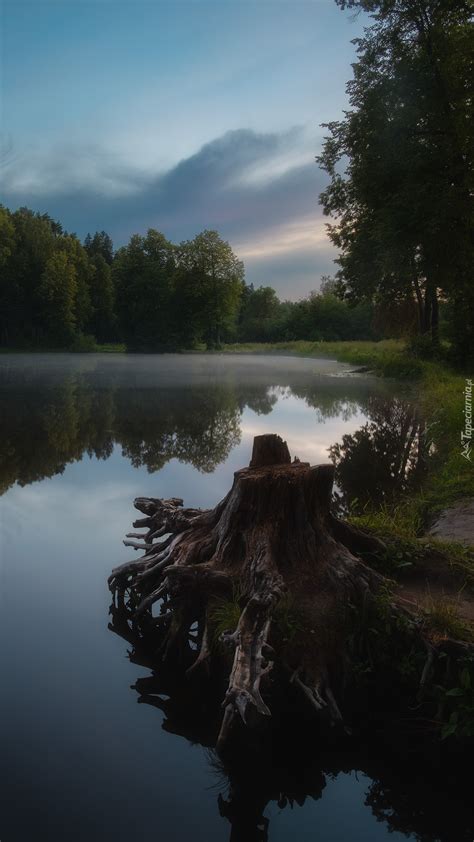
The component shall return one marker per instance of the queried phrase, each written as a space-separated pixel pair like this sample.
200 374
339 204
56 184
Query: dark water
81 436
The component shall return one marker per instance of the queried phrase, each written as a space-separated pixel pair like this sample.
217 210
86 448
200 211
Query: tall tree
36 238
220 275
260 314
143 275
57 291
102 296
100 245
84 274
401 160
9 291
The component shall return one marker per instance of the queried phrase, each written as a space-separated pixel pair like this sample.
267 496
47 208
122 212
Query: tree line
151 294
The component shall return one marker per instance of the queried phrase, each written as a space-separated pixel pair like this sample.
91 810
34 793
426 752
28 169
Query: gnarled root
271 551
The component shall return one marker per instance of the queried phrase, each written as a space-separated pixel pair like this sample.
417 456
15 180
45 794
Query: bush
421 347
84 344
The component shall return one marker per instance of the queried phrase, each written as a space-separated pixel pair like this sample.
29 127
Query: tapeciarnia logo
466 435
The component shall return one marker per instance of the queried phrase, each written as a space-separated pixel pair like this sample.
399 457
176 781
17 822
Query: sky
124 115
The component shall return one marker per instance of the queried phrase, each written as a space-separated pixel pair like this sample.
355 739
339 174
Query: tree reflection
386 457
51 419
290 762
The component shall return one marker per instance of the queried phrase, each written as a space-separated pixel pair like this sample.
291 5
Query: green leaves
457 703
401 163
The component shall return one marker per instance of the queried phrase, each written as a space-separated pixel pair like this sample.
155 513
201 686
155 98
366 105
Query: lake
81 437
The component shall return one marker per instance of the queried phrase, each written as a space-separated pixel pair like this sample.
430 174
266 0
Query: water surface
80 437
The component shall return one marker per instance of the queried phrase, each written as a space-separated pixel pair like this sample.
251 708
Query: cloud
260 190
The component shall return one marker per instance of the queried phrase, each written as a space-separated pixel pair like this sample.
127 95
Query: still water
80 437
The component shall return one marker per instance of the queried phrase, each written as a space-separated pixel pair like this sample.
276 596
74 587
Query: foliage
456 703
224 615
401 163
142 273
57 294
83 344
100 245
219 276
102 295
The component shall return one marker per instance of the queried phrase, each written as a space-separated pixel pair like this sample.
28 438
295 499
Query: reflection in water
184 408
386 457
291 762
73 745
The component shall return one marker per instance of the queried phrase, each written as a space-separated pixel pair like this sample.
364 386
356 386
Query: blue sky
181 116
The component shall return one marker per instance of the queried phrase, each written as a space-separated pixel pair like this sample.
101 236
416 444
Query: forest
150 294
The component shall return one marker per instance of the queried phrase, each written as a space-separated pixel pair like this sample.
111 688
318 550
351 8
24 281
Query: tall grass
387 357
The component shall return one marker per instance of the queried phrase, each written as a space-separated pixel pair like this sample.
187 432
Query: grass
387 357
405 549
111 348
224 615
441 618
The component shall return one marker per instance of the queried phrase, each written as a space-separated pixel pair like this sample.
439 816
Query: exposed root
272 542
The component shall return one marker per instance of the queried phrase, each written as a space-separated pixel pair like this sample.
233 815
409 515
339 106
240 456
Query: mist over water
80 437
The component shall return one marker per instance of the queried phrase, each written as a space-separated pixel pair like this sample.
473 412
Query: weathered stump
273 550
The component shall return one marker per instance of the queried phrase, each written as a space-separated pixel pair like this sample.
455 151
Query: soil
430 582
456 523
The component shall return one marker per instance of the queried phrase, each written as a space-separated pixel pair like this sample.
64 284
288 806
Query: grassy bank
388 357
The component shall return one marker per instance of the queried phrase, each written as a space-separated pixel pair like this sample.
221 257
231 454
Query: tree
143 276
220 275
8 288
327 317
100 245
84 273
35 241
260 315
57 293
403 204
103 320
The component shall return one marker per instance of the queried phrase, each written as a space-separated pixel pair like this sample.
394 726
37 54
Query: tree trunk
427 309
272 555
420 305
434 317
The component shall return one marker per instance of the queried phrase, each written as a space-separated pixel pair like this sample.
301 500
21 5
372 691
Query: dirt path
430 585
456 523
425 595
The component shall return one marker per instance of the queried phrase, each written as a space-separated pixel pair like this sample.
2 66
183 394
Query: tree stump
272 555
